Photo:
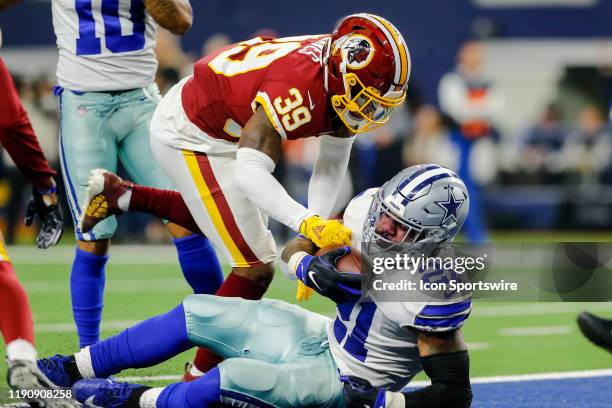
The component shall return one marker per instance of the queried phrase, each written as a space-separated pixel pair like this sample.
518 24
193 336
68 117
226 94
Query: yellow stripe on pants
211 208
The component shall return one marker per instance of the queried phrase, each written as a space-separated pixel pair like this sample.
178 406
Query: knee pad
243 380
249 375
305 383
104 230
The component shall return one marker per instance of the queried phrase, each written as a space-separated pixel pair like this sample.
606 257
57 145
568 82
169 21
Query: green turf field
517 338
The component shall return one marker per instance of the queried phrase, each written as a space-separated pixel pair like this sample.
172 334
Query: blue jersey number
89 44
355 342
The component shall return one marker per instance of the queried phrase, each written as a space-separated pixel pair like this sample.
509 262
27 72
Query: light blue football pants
275 353
97 129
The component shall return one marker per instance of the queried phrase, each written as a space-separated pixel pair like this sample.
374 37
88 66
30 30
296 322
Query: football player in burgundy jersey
16 326
107 95
218 135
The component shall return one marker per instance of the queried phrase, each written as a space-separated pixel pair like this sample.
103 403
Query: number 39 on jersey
257 54
282 75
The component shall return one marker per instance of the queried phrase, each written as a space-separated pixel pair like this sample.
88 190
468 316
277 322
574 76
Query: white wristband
295 260
394 400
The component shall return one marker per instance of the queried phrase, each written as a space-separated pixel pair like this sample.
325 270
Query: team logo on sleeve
357 51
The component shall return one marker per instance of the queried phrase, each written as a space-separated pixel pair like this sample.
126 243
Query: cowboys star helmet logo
451 206
358 51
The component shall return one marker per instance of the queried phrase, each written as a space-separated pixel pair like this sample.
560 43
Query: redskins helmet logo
357 51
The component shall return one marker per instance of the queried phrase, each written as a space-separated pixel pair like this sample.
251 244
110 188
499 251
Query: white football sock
148 399
124 201
193 370
394 400
21 349
84 364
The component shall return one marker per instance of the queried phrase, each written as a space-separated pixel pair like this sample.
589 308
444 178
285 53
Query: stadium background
551 60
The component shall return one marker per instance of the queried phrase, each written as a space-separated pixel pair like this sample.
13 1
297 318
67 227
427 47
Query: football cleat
98 392
103 192
26 375
596 329
59 370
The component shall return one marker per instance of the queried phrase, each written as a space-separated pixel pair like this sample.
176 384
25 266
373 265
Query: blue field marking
593 392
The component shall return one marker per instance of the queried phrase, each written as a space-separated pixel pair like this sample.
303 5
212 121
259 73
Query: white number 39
293 113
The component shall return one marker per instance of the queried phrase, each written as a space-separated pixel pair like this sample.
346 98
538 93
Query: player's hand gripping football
325 233
359 393
47 208
320 274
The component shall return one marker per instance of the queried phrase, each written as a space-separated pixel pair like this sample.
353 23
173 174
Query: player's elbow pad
450 382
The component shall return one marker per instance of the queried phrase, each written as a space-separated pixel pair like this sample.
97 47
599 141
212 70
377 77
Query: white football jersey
373 340
104 45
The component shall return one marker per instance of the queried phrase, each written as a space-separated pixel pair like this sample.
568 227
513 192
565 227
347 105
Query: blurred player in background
107 94
473 104
280 355
16 326
218 135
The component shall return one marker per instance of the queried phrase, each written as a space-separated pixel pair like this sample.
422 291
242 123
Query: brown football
348 263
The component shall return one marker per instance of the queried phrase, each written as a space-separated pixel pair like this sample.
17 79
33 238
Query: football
348 263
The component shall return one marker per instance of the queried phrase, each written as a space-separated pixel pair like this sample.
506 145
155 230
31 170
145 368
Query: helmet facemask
358 71
362 108
376 235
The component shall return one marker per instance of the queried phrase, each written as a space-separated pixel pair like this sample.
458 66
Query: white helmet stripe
418 180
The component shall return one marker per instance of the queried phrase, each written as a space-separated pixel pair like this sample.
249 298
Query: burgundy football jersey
284 75
17 135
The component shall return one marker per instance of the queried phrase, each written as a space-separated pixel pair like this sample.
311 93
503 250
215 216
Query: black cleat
596 329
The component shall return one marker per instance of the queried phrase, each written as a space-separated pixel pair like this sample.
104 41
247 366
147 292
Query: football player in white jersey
107 95
280 355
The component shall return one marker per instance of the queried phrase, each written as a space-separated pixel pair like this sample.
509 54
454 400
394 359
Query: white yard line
151 378
477 380
535 331
124 254
113 285
166 255
69 327
478 346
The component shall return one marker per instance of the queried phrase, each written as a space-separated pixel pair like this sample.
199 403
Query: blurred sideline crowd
555 173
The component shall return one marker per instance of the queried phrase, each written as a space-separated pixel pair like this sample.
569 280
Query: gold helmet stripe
400 50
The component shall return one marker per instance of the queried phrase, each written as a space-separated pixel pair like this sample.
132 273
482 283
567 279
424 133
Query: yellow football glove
303 292
325 233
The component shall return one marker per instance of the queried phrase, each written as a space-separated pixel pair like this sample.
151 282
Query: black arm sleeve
450 382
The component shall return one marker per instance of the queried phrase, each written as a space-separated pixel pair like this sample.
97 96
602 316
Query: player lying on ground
280 355
19 140
218 135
